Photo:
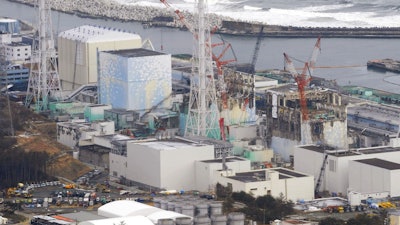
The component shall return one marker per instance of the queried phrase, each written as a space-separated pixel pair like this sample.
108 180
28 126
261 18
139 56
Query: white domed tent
142 220
123 208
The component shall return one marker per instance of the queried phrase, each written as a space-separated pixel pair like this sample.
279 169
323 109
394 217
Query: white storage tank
183 221
219 219
202 209
178 207
75 155
202 220
157 202
236 218
164 204
215 208
188 210
171 206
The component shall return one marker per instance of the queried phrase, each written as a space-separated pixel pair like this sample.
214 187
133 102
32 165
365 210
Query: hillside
35 133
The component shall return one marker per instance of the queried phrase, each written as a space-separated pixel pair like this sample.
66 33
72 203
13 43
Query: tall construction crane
196 123
304 78
256 51
302 81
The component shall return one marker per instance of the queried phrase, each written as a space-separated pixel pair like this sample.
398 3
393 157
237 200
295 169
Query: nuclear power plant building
135 79
78 48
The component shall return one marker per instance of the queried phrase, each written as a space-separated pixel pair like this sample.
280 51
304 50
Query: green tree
365 219
331 221
243 197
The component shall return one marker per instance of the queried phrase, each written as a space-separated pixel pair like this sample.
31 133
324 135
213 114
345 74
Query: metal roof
380 163
136 52
89 33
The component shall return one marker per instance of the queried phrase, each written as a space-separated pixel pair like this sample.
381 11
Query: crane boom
256 50
314 55
289 65
302 81
304 78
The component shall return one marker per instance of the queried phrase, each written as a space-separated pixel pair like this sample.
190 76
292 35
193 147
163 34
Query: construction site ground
34 132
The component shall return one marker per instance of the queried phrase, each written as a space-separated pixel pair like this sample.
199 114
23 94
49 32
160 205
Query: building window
229 186
332 165
115 174
268 192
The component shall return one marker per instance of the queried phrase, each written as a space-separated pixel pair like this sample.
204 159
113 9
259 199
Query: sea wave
342 13
324 8
251 8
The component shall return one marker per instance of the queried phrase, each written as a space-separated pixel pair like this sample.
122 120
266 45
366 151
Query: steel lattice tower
44 82
203 114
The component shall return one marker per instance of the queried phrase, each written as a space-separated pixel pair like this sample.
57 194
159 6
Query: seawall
165 17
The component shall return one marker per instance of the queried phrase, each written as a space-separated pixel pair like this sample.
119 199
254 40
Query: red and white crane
303 79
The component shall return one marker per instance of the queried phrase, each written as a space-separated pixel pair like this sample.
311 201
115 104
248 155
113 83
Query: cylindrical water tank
236 218
219 219
183 221
178 207
157 202
171 206
75 154
164 204
202 209
215 208
188 210
165 222
202 220
277 222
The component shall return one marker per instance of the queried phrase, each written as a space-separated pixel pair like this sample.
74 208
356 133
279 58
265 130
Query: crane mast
304 78
256 50
302 81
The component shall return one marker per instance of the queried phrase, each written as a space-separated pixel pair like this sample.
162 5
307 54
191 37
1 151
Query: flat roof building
335 167
77 52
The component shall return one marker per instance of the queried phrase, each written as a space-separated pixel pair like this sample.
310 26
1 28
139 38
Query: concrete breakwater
153 16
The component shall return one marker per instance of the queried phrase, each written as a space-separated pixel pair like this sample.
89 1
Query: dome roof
142 220
122 208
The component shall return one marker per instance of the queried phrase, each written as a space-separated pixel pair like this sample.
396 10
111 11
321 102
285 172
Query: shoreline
163 17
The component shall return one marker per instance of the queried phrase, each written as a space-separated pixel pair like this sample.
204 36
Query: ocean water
303 13
341 59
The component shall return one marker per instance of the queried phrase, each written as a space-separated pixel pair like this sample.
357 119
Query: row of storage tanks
202 211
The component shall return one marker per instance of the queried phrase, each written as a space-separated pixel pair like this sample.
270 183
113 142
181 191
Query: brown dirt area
34 132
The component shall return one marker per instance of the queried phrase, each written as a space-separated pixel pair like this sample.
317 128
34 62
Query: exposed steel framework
44 82
203 105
